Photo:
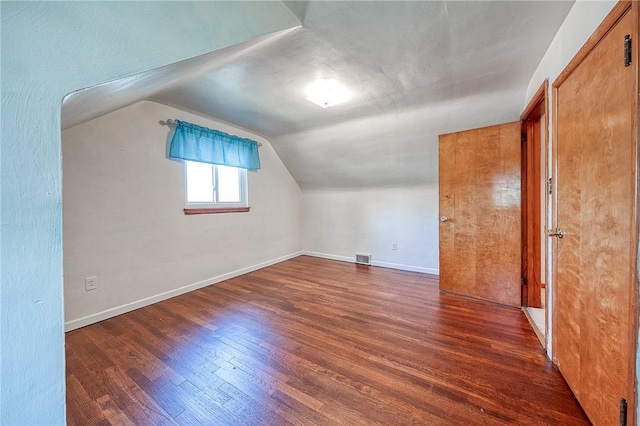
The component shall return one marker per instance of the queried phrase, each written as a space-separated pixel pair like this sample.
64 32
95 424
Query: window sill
216 210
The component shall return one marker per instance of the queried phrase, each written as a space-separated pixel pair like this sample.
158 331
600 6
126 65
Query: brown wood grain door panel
596 174
480 250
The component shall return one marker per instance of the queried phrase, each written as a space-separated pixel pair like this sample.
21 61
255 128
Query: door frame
538 106
609 22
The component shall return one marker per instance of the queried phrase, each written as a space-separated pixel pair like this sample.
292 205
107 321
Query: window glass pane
199 182
228 184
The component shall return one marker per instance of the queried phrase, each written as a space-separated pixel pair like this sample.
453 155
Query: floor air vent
363 259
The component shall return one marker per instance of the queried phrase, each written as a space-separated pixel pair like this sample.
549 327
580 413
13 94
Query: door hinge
627 50
549 185
523 282
523 137
555 233
623 412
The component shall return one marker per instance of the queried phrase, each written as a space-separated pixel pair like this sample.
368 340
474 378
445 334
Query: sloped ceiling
416 70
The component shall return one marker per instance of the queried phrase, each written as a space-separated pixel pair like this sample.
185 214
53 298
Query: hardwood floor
313 342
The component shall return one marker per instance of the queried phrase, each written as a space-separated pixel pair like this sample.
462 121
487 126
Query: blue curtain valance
196 143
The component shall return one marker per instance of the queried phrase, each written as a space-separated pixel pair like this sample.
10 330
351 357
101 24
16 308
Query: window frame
217 206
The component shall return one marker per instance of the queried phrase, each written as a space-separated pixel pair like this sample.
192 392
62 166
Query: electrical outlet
90 283
394 246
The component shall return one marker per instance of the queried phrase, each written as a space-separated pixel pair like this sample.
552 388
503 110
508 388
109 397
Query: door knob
555 233
444 219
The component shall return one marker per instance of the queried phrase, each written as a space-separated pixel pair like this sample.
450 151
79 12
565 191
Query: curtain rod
171 122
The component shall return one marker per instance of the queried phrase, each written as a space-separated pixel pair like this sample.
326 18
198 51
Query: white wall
123 220
583 19
48 50
338 223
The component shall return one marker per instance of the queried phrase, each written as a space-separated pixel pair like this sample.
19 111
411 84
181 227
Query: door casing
533 209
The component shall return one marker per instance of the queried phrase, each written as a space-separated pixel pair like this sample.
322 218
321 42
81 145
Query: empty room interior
319 213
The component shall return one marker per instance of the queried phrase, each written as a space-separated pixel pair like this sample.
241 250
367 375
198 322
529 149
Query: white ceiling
416 70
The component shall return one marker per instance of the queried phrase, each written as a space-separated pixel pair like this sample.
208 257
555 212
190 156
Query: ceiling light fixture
327 92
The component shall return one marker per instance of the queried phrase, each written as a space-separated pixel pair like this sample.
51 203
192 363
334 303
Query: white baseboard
406 267
375 263
329 256
118 310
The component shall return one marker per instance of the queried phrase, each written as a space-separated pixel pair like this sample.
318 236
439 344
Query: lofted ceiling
415 70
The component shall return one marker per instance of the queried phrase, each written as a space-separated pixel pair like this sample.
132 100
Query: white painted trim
375 263
406 267
118 310
329 256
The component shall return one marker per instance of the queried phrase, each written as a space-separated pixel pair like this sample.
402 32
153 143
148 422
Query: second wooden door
480 213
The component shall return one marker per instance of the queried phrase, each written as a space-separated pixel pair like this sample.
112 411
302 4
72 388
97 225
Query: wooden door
594 306
480 213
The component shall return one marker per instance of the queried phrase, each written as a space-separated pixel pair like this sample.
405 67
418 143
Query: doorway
535 191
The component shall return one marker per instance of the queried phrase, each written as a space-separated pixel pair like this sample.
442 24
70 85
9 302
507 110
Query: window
211 186
215 167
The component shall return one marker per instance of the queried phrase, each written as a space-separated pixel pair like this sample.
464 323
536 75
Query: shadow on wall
298 7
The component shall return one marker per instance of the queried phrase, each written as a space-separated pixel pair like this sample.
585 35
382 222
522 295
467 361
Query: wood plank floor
316 342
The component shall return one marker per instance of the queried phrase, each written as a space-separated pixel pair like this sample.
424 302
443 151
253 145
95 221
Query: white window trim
244 192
